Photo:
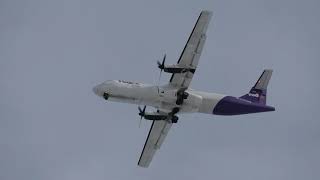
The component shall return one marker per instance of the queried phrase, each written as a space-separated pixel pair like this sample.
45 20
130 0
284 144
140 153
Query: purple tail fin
258 93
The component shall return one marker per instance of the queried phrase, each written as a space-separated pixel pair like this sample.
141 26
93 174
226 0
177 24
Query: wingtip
142 166
207 12
270 71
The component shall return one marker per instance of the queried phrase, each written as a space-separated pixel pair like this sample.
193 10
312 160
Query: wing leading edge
192 51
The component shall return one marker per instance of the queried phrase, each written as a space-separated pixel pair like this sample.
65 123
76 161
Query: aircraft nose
97 90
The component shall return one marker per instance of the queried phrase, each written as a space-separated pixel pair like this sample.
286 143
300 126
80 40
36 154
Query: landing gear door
192 103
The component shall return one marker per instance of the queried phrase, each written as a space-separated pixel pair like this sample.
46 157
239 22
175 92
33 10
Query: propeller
161 66
141 113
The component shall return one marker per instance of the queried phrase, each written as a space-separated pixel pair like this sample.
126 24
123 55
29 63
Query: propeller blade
164 59
162 65
141 113
159 80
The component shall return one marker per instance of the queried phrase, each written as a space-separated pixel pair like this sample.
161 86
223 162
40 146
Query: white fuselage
162 98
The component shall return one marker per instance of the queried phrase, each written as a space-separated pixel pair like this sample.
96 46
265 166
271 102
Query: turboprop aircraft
176 97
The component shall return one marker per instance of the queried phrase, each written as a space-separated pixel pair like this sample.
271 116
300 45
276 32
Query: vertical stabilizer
258 93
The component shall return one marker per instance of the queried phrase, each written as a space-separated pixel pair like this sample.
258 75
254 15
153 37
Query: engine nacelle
153 116
177 69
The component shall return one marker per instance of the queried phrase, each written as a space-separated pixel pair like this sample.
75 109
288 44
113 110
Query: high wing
156 136
190 55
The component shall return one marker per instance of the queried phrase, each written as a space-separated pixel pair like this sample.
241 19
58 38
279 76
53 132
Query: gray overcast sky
53 127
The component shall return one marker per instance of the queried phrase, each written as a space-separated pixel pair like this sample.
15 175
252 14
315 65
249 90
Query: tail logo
254 95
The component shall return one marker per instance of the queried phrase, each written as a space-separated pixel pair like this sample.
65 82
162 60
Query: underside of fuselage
166 99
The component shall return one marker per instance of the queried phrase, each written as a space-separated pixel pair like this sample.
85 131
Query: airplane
177 97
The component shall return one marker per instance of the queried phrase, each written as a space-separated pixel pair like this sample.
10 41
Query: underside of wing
188 60
156 136
191 53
